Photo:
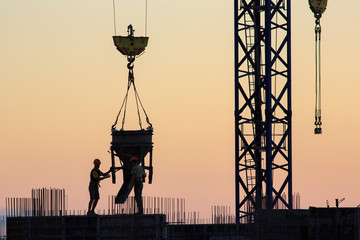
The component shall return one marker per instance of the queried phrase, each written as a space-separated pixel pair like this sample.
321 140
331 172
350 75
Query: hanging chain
317 122
124 103
131 79
147 118
131 82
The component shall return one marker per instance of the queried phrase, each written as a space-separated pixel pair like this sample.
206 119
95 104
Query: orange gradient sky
62 83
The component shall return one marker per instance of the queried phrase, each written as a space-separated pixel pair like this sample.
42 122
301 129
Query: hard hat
133 159
97 161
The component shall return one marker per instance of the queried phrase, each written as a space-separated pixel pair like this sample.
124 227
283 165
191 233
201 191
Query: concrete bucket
124 145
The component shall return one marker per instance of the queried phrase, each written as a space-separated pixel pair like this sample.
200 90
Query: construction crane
263 119
128 143
263 111
318 7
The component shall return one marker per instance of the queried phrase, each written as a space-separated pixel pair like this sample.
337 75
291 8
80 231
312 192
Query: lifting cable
146 16
131 58
131 82
146 13
318 7
317 122
114 17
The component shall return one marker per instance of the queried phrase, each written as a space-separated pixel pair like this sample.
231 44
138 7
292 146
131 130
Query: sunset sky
62 83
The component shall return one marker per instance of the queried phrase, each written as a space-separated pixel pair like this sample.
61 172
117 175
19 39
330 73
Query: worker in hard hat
137 178
95 177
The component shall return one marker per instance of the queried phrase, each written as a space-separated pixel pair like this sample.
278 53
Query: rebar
43 202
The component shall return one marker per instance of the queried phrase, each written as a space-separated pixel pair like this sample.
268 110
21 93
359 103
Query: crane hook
131 60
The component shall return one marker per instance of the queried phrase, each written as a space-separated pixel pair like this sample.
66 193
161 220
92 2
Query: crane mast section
263 159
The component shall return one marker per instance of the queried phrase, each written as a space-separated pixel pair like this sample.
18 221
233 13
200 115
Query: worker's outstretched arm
104 174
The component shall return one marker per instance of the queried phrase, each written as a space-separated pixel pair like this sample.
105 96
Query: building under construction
263 153
311 224
45 216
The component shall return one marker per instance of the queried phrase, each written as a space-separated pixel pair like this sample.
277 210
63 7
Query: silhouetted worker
137 176
95 177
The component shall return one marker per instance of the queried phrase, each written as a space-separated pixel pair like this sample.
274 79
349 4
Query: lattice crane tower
263 148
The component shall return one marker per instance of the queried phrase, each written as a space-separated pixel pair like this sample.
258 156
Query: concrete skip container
124 145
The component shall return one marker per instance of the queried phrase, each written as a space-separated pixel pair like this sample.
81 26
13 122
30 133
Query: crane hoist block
318 6
130 45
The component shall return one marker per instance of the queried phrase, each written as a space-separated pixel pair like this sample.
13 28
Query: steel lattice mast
263 145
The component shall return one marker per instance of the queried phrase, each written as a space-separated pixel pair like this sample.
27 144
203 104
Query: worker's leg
96 198
92 196
94 205
138 192
90 204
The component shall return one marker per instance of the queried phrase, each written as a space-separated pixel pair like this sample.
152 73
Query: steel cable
317 122
131 82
